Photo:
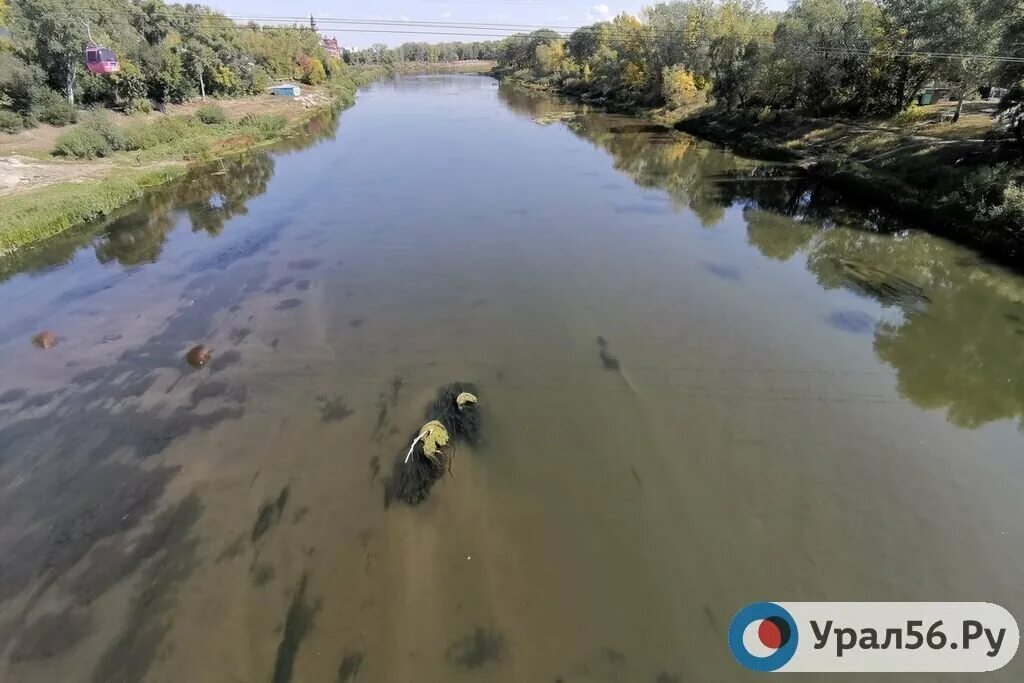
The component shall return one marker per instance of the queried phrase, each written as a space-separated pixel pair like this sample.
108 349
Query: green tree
55 35
960 27
550 57
198 59
821 56
1011 111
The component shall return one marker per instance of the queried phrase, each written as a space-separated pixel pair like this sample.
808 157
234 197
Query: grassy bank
118 163
961 181
37 215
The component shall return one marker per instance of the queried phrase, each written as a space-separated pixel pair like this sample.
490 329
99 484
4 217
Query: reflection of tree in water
777 237
959 341
650 155
223 194
679 165
209 197
137 234
959 349
958 344
963 353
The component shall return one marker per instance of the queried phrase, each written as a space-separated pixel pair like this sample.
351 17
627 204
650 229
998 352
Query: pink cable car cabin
101 60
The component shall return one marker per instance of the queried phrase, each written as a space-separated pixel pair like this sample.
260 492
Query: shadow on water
90 506
957 329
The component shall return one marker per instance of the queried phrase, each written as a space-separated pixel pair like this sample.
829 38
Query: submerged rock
198 356
45 340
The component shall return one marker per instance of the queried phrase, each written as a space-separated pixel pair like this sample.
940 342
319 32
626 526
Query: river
703 382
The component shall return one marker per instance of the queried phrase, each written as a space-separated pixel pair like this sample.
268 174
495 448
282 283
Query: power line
498 31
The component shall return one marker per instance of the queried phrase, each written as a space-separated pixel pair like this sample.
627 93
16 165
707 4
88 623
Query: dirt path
19 173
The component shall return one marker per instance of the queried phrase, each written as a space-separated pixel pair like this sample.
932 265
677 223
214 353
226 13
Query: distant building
331 45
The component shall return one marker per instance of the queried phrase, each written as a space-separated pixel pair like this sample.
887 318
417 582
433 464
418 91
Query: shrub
11 122
161 132
264 123
140 105
680 87
81 143
211 114
1011 208
311 71
910 115
20 83
128 84
258 82
98 121
52 108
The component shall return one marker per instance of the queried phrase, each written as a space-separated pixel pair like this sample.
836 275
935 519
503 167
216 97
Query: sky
527 13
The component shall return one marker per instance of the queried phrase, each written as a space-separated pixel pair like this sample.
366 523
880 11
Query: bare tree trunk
202 85
959 104
70 82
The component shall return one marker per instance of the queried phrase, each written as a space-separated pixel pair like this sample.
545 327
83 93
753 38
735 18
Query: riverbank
962 182
43 195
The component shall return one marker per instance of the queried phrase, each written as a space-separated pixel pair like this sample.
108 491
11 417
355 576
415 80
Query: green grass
39 214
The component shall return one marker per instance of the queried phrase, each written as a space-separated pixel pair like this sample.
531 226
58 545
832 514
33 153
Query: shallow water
703 382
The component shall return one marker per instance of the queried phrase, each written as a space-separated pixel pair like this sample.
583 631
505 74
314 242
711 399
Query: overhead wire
500 31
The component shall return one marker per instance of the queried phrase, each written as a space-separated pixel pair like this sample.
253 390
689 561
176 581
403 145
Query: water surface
705 382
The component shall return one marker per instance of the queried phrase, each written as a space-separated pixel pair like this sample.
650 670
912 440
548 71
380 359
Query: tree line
430 53
825 57
167 53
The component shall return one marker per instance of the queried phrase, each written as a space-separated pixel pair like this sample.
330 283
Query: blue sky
525 12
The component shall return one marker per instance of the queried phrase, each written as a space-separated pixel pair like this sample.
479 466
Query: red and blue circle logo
763 636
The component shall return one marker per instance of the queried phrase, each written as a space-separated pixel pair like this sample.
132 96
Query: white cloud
446 15
600 12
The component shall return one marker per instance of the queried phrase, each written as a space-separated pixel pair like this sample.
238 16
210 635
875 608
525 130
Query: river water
785 404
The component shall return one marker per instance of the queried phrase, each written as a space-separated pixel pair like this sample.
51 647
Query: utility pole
312 23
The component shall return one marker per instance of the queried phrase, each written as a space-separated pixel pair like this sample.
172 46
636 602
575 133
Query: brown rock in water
45 340
198 356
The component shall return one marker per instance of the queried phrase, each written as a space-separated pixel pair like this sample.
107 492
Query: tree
311 71
56 37
959 27
1011 111
583 43
679 87
20 84
821 58
198 59
550 57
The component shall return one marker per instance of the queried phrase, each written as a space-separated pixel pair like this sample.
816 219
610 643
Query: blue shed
286 90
